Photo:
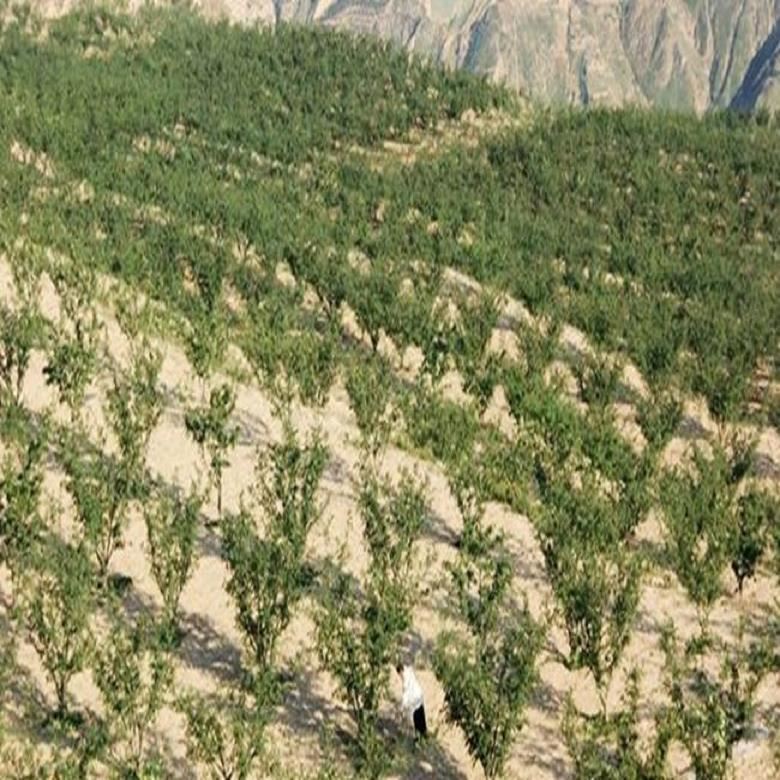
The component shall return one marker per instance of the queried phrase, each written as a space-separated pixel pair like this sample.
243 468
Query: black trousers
418 717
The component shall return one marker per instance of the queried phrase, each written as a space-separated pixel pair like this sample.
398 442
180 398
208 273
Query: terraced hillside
315 358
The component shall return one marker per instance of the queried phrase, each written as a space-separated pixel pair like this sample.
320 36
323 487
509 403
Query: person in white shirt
412 700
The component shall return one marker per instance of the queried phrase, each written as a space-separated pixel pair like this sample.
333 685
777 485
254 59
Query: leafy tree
101 488
326 274
134 677
73 358
607 747
442 427
469 344
73 363
482 573
595 579
659 418
290 353
598 597
226 735
205 344
267 573
171 524
21 479
135 405
374 296
724 386
21 330
598 380
710 713
359 629
308 359
756 512
369 386
700 515
437 336
488 686
538 345
210 428
56 607
488 677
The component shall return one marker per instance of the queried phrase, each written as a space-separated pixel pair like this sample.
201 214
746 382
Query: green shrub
442 427
101 488
205 343
309 359
598 598
73 363
134 677
659 418
56 607
211 429
598 380
595 578
267 573
360 628
369 386
374 297
488 686
701 520
607 747
225 735
73 355
21 330
329 276
171 525
21 478
135 406
756 513
710 713
488 678
468 346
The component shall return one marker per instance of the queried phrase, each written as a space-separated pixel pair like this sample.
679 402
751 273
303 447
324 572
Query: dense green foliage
267 573
55 606
654 233
171 523
710 712
608 747
211 429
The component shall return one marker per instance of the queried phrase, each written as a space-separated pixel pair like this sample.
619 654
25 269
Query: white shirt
413 695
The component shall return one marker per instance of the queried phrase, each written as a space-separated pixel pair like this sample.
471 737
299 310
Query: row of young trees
61 586
665 230
714 519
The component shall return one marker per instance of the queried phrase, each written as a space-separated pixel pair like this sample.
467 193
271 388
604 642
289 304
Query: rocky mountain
681 54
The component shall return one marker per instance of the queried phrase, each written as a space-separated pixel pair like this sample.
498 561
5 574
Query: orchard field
314 358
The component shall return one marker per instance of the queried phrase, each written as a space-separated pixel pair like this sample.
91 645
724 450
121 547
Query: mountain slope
323 235
761 85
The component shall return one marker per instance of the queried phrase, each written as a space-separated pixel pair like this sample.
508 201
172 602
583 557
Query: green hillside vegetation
187 161
683 212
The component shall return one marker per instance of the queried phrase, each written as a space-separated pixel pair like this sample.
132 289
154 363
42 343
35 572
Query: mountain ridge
692 55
